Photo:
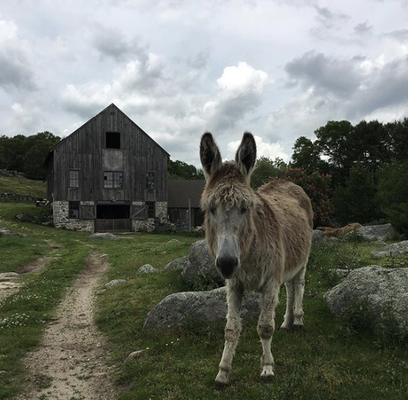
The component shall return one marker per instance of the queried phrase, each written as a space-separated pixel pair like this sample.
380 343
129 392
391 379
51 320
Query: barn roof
181 191
50 153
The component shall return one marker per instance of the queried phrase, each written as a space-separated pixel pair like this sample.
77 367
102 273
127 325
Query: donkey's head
228 202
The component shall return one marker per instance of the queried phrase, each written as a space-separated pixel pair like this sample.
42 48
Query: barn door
139 211
87 212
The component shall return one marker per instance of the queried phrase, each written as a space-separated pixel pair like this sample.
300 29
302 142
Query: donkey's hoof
297 328
220 386
267 377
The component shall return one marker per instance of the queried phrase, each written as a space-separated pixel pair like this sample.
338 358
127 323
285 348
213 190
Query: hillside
21 185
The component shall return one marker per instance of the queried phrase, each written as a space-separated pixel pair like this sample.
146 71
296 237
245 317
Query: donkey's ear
246 155
210 155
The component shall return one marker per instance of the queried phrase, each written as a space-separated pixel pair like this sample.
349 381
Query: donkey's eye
212 210
244 210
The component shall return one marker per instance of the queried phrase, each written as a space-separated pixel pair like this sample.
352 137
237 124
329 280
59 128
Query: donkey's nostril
227 265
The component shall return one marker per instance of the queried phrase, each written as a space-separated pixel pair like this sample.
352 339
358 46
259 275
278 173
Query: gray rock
179 310
199 268
175 265
383 292
114 283
377 232
6 232
8 275
147 269
135 354
339 272
319 237
392 250
106 235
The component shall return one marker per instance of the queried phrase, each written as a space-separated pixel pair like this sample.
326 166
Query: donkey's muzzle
227 265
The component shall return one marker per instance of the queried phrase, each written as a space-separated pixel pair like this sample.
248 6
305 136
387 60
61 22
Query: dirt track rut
70 362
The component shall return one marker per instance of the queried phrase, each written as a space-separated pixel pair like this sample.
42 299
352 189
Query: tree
355 201
266 169
318 187
393 193
181 170
306 156
27 153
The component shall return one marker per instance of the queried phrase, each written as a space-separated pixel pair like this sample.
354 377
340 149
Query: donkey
259 240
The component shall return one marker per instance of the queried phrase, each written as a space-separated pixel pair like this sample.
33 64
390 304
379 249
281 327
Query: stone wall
17 197
61 220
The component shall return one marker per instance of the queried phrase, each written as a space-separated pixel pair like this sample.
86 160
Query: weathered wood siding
85 150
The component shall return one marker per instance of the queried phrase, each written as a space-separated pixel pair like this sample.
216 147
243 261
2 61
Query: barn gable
108 175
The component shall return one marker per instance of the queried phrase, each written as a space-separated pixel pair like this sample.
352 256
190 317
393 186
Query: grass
329 359
21 185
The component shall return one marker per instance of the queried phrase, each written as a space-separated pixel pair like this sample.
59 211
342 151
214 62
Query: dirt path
70 362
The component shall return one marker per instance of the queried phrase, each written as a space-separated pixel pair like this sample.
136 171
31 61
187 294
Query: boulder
175 265
199 269
115 282
340 232
147 269
391 250
377 232
180 310
382 294
106 235
319 237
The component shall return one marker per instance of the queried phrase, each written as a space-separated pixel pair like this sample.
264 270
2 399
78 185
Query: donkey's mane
229 187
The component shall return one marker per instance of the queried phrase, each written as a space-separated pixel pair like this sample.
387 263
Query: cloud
329 19
326 75
241 90
264 149
16 72
363 28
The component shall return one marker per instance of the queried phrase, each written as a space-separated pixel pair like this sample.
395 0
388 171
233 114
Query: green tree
393 193
266 169
307 156
355 201
181 170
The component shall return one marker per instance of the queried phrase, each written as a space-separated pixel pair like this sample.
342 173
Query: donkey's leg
233 327
266 326
299 283
290 300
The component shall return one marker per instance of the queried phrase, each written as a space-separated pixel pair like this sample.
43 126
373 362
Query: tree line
27 154
352 173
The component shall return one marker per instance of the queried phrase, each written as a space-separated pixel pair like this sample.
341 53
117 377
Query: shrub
317 187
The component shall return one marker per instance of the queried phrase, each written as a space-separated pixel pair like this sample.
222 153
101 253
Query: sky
178 68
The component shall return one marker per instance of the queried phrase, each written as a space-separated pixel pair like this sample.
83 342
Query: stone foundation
61 220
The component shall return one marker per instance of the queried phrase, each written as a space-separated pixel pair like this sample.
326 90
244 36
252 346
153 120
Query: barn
108 175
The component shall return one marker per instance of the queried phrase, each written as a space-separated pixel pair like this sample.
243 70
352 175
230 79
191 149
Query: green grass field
21 185
328 359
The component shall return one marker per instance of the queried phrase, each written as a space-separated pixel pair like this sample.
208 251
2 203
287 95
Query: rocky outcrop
175 265
179 310
391 250
199 271
376 232
377 295
107 236
147 269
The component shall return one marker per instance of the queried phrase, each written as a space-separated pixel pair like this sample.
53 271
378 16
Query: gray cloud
363 28
15 71
400 35
328 18
326 75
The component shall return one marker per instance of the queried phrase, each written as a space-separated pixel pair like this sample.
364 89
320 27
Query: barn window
113 179
73 209
112 140
150 180
74 178
151 209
